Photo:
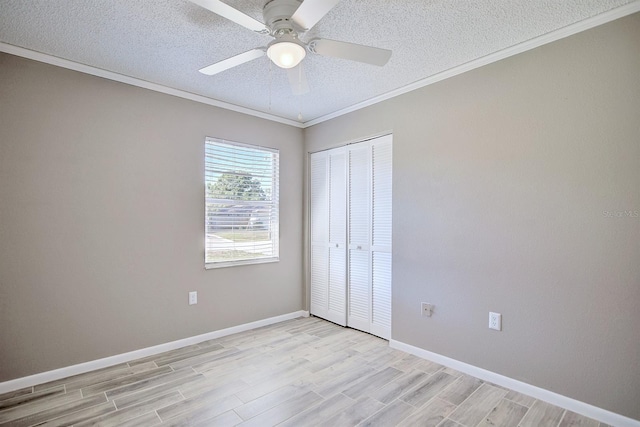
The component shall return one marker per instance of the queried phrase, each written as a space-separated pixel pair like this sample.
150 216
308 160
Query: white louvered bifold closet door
359 285
328 235
369 281
381 172
319 225
337 236
350 226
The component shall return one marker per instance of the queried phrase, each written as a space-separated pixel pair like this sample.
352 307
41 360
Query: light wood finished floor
302 372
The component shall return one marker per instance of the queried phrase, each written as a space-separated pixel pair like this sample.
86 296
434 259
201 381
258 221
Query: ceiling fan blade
351 51
311 11
298 80
232 14
234 61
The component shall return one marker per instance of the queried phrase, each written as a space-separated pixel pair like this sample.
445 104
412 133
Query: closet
350 233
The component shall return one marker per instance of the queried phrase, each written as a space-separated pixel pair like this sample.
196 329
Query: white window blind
242 206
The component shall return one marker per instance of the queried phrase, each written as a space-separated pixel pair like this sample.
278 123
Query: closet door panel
359 197
359 290
381 194
319 230
319 278
381 203
337 236
359 284
381 294
338 197
319 199
337 286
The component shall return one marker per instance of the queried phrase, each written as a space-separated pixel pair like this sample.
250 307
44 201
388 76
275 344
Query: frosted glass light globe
286 54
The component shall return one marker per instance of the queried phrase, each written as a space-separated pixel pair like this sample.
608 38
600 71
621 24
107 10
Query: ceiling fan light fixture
286 54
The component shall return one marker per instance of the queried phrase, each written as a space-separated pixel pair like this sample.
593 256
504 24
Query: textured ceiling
167 41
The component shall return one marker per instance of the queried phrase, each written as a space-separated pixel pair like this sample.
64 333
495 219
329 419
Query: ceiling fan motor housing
277 16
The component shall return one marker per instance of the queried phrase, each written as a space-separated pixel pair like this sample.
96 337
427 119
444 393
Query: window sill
213 265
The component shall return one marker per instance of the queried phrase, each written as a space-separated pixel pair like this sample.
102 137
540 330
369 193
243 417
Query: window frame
235 168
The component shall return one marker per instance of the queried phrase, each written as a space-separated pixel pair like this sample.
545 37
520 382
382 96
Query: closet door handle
359 247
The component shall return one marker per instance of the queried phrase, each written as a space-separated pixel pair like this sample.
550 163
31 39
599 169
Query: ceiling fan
284 20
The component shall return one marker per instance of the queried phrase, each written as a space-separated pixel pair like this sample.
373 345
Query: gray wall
502 177
102 214
501 180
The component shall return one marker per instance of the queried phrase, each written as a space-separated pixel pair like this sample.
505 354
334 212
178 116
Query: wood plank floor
302 372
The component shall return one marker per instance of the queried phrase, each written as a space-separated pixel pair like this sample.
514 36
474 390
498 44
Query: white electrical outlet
427 309
193 297
495 321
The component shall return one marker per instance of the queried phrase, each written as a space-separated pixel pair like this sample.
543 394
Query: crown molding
87 69
561 33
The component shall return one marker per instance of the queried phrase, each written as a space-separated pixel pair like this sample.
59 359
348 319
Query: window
241 199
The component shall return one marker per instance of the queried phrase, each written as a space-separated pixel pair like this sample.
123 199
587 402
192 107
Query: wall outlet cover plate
427 309
495 321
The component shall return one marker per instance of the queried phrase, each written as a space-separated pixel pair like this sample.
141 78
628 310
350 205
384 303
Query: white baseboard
81 368
565 402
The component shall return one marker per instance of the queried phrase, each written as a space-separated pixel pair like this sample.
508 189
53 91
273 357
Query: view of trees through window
238 187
